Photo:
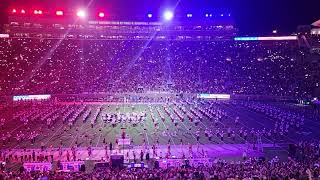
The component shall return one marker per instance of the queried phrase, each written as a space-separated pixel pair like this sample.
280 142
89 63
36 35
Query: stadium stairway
13 166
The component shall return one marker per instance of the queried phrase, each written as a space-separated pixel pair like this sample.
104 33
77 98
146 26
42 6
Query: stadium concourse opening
172 96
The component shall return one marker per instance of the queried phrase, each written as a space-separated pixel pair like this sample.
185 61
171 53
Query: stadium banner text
31 97
213 96
273 38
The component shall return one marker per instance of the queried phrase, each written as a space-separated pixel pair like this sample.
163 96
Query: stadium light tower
101 14
59 13
168 15
37 12
208 15
81 14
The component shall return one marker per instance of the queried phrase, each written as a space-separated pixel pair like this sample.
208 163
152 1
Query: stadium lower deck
180 124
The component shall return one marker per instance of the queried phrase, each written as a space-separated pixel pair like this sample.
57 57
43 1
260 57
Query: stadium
172 95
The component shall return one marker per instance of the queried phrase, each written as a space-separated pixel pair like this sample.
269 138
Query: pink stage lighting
37 12
14 11
23 11
59 13
101 14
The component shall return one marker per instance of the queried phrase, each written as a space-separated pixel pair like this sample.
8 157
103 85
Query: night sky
252 17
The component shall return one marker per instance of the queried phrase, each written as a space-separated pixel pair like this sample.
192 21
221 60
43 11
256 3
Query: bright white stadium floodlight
81 14
168 15
101 14
59 13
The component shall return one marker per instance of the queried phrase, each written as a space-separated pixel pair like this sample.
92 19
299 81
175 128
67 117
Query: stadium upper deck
182 27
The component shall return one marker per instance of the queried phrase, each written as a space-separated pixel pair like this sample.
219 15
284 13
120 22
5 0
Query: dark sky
252 17
261 16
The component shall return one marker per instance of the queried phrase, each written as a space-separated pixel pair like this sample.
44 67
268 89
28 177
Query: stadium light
81 13
275 31
101 14
168 15
149 15
207 15
222 15
189 15
23 11
14 11
59 13
37 12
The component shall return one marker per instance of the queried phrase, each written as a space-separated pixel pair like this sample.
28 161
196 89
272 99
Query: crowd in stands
30 65
249 169
303 163
37 66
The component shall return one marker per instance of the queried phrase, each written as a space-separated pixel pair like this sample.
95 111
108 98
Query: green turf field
82 134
